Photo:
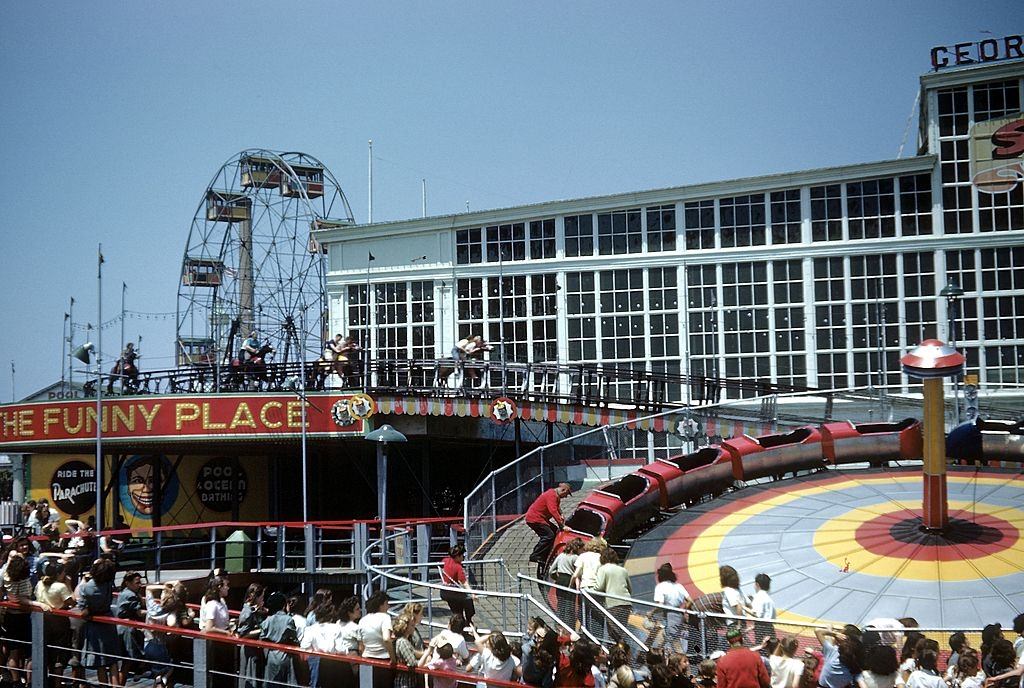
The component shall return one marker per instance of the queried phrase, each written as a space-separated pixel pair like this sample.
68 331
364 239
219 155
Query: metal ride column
931 361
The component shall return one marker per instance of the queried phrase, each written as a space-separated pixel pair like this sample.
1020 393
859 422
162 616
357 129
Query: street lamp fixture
953 293
383 436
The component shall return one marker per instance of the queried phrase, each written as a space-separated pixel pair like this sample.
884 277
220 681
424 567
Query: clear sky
115 116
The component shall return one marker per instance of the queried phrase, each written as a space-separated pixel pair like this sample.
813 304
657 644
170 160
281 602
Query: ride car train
621 506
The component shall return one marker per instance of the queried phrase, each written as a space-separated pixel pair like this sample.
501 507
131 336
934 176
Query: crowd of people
304 642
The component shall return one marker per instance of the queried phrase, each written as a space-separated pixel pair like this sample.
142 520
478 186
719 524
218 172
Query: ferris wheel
251 261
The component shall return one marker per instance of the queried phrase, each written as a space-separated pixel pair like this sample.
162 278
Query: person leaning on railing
279 627
451 636
215 620
669 593
496 659
612 578
405 653
253 660
562 569
378 640
101 645
130 606
53 592
167 609
17 629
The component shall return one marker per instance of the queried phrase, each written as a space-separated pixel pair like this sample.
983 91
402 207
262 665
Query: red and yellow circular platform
848 546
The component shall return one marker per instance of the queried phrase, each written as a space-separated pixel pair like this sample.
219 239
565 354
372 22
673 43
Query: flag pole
369 327
121 342
63 343
71 346
369 181
99 391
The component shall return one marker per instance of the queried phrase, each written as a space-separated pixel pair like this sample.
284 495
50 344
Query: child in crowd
444 661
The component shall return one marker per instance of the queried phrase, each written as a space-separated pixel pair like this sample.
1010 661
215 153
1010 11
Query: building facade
820 278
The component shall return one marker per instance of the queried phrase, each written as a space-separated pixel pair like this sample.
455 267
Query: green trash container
238 552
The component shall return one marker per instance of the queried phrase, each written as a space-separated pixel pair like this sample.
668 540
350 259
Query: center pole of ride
930 362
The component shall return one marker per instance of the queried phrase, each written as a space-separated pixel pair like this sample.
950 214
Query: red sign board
191 417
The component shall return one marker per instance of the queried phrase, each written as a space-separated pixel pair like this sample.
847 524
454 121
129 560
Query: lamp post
293 385
82 353
383 435
297 387
952 293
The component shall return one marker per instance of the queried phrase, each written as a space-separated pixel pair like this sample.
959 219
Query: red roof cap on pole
932 358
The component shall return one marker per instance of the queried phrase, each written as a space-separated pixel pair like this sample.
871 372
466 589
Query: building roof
671 194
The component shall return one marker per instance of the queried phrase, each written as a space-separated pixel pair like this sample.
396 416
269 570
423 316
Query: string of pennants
568 413
129 315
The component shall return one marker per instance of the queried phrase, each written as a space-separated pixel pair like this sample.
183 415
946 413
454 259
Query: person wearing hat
544 517
741 667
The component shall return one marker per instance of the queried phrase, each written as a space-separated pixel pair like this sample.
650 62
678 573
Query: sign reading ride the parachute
143 418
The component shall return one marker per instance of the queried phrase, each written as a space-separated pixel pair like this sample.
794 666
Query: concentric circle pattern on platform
847 546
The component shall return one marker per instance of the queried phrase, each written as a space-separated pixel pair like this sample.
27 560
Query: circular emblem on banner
340 414
361 406
138 477
73 487
219 482
503 410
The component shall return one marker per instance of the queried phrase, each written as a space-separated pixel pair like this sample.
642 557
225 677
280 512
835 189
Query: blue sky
114 117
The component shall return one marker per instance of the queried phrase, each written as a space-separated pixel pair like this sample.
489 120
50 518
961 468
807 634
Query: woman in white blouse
378 642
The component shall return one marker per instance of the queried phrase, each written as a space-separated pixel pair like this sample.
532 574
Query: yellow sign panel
183 489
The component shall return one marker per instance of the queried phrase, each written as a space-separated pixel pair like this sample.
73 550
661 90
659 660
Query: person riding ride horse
250 348
251 364
125 369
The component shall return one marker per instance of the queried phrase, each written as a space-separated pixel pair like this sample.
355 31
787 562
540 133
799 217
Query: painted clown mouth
143 500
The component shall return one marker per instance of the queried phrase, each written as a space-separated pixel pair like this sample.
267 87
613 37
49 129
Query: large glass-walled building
819 278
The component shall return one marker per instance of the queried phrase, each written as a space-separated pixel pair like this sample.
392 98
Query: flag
72 300
12 367
66 316
124 286
370 256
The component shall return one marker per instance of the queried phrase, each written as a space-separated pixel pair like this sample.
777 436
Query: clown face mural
144 479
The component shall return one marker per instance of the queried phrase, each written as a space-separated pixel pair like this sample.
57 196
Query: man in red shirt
741 667
544 517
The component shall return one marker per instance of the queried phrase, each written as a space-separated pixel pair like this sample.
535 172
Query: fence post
200 665
310 547
282 533
366 676
39 664
259 548
494 507
422 549
159 558
359 540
